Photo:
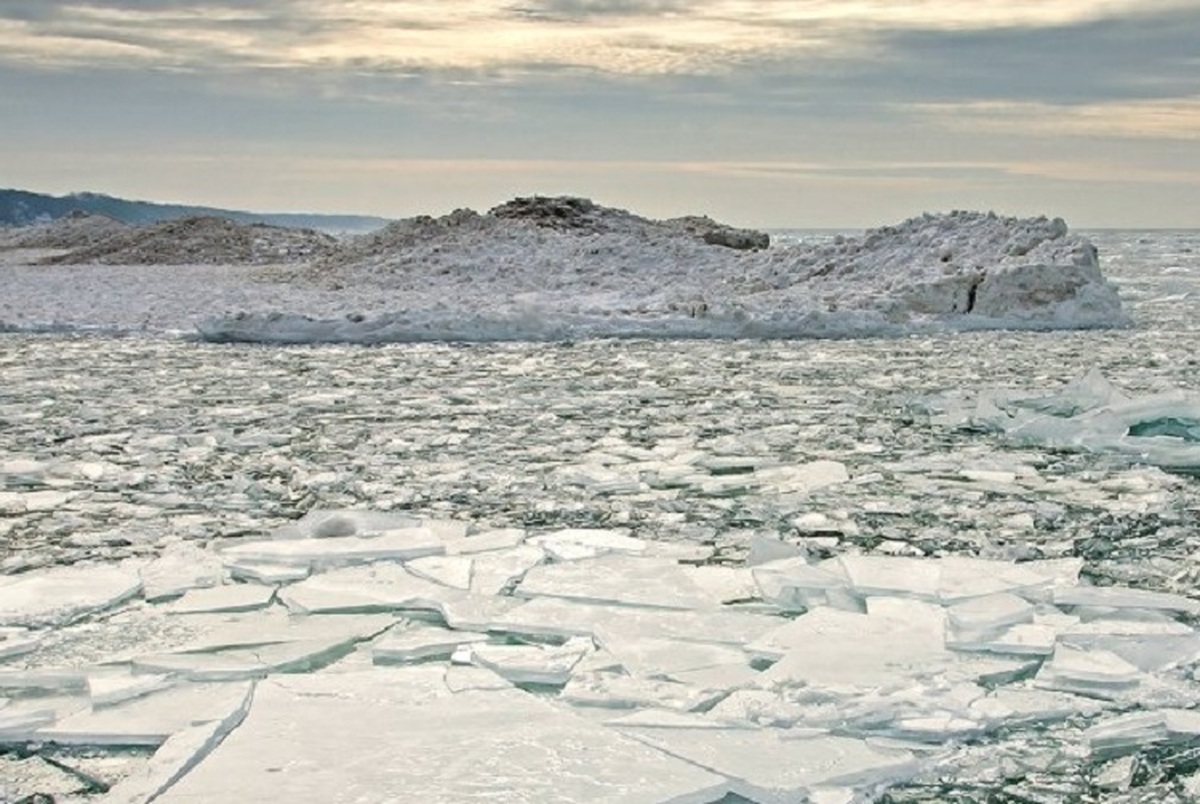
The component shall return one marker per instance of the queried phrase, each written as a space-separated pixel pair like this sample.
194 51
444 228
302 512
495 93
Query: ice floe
1087 414
597 670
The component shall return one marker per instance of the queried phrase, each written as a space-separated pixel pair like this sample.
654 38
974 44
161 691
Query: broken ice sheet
577 543
179 567
1088 672
764 767
338 551
18 641
238 664
453 571
364 589
403 735
618 579
149 720
608 690
62 595
549 665
554 617
229 598
420 643
116 686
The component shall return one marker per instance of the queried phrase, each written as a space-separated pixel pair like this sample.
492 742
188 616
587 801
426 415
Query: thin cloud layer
751 104
614 37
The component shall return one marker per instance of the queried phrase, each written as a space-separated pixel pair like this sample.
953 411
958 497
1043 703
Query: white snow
470 277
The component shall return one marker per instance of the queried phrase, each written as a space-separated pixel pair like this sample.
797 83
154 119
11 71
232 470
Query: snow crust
562 269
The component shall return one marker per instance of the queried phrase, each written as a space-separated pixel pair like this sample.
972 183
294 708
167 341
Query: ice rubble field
926 568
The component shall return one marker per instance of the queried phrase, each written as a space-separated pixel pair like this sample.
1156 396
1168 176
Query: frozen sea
113 447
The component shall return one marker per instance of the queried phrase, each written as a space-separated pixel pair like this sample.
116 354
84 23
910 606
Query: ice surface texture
564 268
603 669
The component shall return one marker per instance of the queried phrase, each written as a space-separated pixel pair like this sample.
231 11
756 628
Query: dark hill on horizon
21 207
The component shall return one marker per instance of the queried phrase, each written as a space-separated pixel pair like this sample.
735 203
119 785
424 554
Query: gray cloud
576 10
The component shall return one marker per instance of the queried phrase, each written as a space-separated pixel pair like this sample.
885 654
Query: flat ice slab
404 736
64 594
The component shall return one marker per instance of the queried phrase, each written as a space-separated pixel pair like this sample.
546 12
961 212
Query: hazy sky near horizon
838 113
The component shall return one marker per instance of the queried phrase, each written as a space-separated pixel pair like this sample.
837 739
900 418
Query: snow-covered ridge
565 268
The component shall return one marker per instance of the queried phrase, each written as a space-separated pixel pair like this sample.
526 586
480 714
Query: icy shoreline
557 269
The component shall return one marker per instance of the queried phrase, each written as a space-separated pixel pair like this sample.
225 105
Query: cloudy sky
818 113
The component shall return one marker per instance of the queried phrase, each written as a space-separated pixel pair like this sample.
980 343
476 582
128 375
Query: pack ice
450 664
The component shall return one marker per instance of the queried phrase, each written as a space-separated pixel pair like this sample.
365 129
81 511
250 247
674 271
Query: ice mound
1088 414
79 230
200 240
582 665
566 268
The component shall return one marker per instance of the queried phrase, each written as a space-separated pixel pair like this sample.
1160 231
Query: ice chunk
1148 652
453 571
18 641
554 617
179 567
229 598
266 574
1025 639
471 612
895 641
486 541
1017 705
613 691
533 664
576 543
725 584
964 577
617 579
149 720
420 644
767 549
890 575
1122 597
238 664
765 767
1094 672
1139 730
109 689
64 594
392 738
465 677
337 551
794 585
323 523
371 588
990 612
494 572
665 657
178 755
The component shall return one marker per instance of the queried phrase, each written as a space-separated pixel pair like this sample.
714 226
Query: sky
804 113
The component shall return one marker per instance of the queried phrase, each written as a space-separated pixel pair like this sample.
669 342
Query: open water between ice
115 448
